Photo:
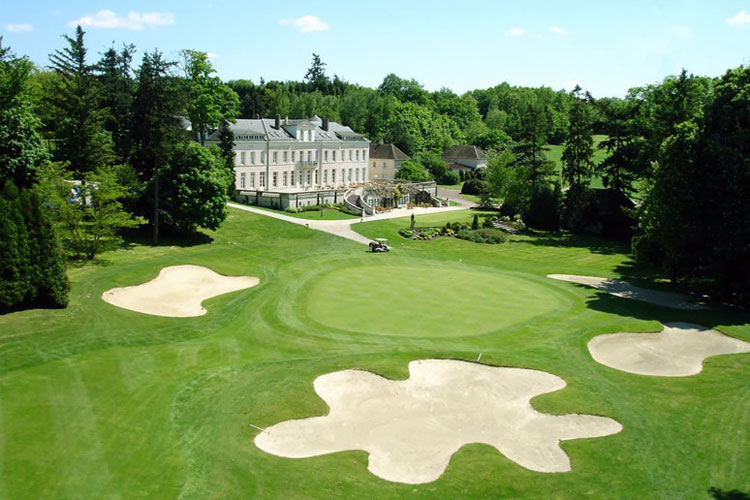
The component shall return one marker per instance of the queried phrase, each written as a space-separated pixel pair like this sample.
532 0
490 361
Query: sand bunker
412 427
177 292
625 290
678 351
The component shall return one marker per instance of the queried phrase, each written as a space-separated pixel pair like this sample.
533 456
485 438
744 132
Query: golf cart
379 245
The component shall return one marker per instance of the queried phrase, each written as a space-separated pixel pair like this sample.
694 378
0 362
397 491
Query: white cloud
557 30
307 24
515 32
212 55
132 21
739 19
19 28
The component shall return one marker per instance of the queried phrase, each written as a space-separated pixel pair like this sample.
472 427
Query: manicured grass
455 187
100 402
328 214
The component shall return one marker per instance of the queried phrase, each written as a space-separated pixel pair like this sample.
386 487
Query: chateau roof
465 152
387 152
264 129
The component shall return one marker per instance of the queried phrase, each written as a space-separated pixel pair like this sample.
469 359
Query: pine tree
15 285
117 88
79 127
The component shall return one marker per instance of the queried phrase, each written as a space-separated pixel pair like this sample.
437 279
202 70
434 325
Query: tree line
90 148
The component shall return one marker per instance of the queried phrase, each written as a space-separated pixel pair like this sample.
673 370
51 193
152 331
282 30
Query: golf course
99 401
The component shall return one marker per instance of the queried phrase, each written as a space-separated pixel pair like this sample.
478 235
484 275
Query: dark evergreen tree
79 123
117 89
15 286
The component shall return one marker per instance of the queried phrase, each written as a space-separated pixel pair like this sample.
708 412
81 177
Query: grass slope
101 402
328 214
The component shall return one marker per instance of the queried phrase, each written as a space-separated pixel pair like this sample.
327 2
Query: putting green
426 301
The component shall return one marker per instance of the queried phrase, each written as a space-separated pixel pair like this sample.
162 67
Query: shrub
490 236
474 186
475 222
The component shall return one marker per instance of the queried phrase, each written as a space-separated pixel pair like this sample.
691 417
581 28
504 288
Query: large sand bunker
678 351
177 292
412 427
623 289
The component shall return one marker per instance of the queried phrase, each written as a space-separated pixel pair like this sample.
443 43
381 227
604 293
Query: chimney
286 120
257 116
278 122
325 124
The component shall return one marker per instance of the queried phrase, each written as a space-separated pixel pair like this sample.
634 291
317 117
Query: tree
89 214
156 128
412 171
577 165
226 152
21 149
79 118
15 265
694 221
529 151
194 189
413 128
316 74
437 167
624 164
579 145
209 102
117 88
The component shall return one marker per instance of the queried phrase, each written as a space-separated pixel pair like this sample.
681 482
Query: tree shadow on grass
143 236
720 494
632 308
570 240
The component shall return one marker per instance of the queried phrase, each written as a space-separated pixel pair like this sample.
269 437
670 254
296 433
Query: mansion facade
295 156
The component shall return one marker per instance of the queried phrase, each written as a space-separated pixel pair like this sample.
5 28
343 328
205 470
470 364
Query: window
252 157
325 176
357 155
252 179
349 177
275 179
291 176
242 180
285 156
300 178
308 177
294 156
356 171
262 179
325 155
307 135
309 156
364 174
350 156
333 174
343 174
263 157
242 158
334 155
276 157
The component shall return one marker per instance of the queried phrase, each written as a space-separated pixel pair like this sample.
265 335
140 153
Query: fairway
97 401
445 300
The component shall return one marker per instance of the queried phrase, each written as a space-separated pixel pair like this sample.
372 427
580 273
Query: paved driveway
343 228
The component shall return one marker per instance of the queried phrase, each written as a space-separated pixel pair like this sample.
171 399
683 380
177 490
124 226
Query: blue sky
606 46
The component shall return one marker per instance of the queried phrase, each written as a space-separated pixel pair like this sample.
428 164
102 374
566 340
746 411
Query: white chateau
285 163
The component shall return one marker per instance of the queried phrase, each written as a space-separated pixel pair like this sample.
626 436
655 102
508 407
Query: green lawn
100 402
328 214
